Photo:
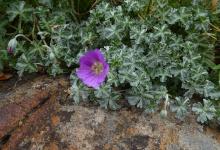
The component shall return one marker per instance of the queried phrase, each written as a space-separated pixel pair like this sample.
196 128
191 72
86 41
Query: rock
53 146
55 120
39 115
9 118
95 128
4 76
37 98
11 114
196 140
32 124
29 116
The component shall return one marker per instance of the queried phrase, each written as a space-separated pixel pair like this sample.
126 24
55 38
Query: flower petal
85 72
100 56
92 81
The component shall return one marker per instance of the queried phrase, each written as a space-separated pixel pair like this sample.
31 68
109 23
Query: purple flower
93 68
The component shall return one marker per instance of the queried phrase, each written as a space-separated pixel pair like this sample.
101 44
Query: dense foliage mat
161 53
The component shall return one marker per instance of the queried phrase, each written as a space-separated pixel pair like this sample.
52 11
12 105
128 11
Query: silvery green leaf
180 106
205 111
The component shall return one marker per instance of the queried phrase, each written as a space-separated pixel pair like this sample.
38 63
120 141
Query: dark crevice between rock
6 137
138 142
4 140
42 102
65 116
63 97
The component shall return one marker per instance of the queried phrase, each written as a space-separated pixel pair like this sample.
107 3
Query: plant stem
45 43
21 35
149 6
34 25
19 25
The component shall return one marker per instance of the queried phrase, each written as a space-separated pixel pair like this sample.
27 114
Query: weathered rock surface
38 115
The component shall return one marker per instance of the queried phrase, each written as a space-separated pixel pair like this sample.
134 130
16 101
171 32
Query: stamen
97 68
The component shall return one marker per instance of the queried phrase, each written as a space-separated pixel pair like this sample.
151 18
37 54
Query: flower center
97 68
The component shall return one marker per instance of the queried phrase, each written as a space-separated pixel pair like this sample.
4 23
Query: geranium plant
155 54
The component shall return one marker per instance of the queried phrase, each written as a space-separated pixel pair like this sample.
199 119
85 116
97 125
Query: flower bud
12 46
52 56
163 113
